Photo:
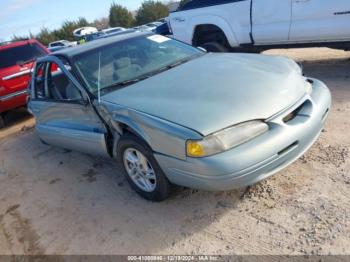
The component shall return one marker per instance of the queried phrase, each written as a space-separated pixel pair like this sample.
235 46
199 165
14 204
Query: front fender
213 20
162 136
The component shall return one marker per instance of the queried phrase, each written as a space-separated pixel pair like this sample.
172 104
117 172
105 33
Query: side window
193 4
58 86
39 81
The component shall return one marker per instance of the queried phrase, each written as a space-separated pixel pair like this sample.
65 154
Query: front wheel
141 169
214 47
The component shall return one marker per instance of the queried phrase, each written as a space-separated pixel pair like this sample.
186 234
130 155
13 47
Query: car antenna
99 78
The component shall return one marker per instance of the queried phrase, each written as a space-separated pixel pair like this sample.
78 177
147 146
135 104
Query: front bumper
261 157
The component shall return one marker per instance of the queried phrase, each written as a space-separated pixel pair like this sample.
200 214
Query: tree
120 16
183 2
45 36
66 31
102 23
151 11
18 38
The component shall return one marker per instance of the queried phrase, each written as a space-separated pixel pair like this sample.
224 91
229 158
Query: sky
20 17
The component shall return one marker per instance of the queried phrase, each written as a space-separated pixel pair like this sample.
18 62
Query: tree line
149 11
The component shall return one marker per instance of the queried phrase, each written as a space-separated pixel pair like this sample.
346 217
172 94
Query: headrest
122 63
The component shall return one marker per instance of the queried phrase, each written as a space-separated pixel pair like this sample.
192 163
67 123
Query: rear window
20 55
193 4
56 44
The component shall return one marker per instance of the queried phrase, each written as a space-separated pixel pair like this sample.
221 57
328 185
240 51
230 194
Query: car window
51 83
130 59
39 81
57 44
59 86
193 4
20 55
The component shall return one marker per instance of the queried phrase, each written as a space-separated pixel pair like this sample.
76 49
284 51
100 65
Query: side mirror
203 49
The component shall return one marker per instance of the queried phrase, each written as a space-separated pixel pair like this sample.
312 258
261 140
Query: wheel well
128 130
125 129
209 33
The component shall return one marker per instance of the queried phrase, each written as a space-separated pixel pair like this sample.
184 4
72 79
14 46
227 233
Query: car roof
11 44
75 51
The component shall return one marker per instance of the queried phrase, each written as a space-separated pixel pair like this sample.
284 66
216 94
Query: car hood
216 91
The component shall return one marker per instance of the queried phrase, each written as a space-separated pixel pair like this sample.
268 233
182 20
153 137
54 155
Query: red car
16 62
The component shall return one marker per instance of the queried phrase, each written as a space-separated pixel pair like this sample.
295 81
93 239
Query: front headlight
226 139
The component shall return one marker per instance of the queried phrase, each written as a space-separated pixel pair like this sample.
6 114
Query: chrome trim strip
25 72
10 96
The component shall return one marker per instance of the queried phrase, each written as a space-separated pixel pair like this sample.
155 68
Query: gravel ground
58 202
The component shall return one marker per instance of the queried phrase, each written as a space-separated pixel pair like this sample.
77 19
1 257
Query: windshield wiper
177 63
123 84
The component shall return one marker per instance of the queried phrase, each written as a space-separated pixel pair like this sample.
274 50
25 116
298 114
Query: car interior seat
124 69
72 92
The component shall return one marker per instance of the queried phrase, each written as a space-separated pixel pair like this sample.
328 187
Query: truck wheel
2 121
214 47
141 169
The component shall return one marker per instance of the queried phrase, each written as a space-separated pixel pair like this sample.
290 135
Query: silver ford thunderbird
172 114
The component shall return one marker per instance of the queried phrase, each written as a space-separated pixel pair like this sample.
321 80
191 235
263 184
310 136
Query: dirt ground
58 202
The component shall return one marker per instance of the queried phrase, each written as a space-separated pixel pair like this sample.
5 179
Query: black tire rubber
2 121
163 187
214 47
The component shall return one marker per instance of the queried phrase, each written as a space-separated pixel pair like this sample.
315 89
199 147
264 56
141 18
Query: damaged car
172 114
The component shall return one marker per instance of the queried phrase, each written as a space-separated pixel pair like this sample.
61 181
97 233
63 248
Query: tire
154 186
2 121
214 47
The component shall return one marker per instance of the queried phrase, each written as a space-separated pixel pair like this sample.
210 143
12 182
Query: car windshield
111 67
20 55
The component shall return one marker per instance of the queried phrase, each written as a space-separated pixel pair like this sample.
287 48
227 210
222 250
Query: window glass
39 81
59 86
52 84
192 4
57 44
20 55
103 68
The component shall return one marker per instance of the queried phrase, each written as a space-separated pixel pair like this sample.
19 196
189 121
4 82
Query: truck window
20 55
193 4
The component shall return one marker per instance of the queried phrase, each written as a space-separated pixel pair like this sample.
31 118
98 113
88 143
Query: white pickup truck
256 25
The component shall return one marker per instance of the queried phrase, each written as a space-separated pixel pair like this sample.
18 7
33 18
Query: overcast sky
23 16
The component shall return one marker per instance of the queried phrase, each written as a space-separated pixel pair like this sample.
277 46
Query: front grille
288 148
303 110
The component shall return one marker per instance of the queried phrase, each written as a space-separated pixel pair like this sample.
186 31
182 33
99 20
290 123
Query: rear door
15 66
320 20
63 118
271 21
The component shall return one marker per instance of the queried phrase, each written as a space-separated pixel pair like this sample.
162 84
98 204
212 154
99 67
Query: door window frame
46 62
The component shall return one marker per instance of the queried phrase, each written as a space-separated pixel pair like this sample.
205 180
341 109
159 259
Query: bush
151 11
120 16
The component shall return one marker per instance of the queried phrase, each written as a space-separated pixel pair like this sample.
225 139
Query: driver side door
64 118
